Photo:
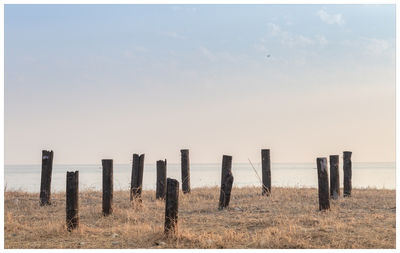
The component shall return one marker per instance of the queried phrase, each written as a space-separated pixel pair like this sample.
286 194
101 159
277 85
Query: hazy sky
106 81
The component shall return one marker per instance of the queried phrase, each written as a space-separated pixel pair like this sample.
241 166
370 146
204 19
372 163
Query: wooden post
72 204
226 182
266 172
334 176
45 184
171 206
161 179
137 177
185 170
347 173
107 186
323 184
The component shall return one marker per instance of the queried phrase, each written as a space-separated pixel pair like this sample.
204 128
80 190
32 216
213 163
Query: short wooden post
266 172
45 184
137 176
334 176
72 203
323 184
347 173
226 182
107 186
161 187
185 170
171 206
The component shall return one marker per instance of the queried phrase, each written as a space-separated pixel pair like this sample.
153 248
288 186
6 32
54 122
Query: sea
364 175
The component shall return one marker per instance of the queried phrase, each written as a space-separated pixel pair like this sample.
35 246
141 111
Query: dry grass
288 219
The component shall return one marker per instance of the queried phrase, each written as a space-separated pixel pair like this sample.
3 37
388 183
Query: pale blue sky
106 81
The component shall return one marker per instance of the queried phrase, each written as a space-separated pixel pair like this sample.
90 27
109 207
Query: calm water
27 177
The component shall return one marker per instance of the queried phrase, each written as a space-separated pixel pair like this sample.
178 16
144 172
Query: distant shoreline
92 189
178 163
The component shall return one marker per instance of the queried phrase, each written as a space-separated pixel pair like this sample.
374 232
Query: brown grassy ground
288 219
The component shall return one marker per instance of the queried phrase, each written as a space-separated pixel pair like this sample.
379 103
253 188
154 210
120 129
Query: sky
94 82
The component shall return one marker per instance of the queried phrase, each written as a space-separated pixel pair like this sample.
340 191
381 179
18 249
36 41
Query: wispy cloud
289 39
330 19
321 40
140 49
184 8
372 46
129 53
376 46
208 54
174 35
221 56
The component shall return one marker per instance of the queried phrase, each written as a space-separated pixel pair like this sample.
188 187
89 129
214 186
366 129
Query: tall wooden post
107 186
226 182
185 170
72 203
161 187
171 207
266 172
137 176
45 184
347 174
334 176
323 184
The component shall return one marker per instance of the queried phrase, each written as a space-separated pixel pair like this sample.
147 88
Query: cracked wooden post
72 200
226 182
161 187
107 186
323 184
45 183
171 207
334 176
347 174
185 170
266 172
137 177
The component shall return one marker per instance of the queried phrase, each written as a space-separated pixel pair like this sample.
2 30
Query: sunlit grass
288 219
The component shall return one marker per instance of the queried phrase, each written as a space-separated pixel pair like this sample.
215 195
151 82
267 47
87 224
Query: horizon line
16 164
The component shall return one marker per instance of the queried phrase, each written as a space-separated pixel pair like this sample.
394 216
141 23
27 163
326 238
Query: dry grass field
287 219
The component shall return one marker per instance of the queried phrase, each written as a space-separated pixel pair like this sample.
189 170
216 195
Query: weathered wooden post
347 173
72 203
171 207
107 186
185 170
334 176
161 179
45 184
266 172
137 177
226 182
323 184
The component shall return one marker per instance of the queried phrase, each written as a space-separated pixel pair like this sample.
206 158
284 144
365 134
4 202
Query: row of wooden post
161 186
72 199
168 189
324 193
